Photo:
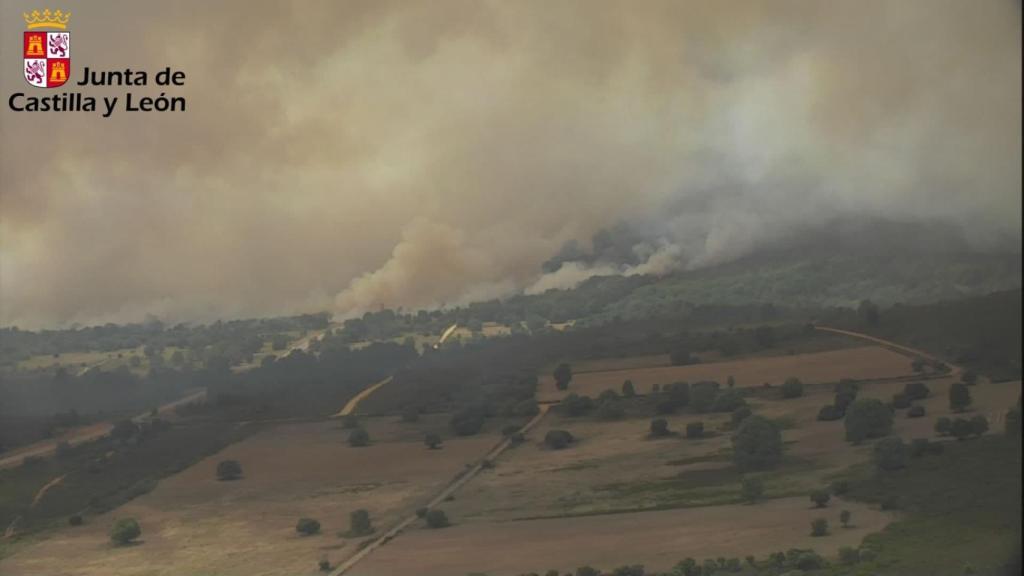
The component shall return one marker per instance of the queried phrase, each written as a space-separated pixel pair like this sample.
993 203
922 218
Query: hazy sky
352 155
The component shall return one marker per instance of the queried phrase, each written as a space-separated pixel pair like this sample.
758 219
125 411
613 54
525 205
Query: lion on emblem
59 43
35 71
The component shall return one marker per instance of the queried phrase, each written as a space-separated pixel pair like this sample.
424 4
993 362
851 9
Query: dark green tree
757 444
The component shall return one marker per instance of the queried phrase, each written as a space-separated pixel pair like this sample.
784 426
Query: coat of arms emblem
46 53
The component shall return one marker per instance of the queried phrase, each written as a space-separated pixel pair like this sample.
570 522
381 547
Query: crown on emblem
46 19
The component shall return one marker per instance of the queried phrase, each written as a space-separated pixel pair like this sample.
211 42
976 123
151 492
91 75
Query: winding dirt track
85 434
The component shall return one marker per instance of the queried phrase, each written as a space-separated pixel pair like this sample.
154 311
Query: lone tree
359 523
229 470
124 531
628 391
359 438
792 388
307 526
563 375
695 430
437 519
757 444
943 426
432 440
959 397
659 428
819 527
820 498
867 418
558 439
890 454
753 489
844 518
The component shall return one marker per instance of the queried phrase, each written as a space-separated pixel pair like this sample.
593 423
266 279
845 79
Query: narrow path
953 369
47 486
352 404
386 537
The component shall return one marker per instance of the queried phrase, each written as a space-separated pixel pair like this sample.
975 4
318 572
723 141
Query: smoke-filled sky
360 154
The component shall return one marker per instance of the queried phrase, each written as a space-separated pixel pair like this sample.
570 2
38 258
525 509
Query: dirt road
954 370
77 436
352 404
449 490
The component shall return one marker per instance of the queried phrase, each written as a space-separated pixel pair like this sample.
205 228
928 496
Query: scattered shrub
124 531
75 520
358 438
576 405
468 421
867 418
324 565
844 518
307 526
740 414
659 428
959 397
611 409
820 498
628 391
757 444
432 440
437 519
703 395
916 412
819 527
943 426
792 388
829 412
694 429
229 470
562 375
900 401
890 453
916 390
359 523
849 555
558 439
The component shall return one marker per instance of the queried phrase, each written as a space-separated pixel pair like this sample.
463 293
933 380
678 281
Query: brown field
657 539
195 525
862 363
536 509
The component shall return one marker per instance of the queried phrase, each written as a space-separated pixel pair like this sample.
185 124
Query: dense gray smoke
358 155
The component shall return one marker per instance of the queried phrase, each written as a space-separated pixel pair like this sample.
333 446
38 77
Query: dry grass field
194 525
861 363
536 509
660 538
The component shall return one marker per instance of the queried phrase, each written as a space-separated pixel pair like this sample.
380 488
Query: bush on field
124 531
229 470
558 439
307 526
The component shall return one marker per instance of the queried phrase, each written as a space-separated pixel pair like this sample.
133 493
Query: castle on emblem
47 54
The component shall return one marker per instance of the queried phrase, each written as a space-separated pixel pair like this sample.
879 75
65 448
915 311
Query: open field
660 539
861 363
193 524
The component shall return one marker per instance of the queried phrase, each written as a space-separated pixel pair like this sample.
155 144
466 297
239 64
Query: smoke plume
357 155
